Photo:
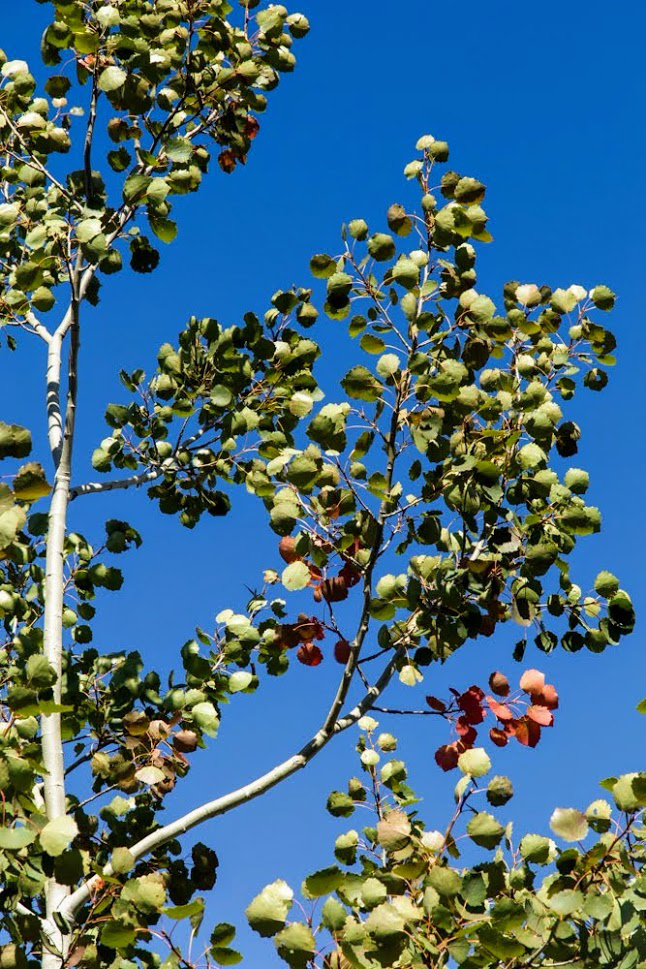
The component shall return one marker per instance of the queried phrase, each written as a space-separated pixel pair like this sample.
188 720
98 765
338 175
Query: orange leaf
540 714
532 681
500 710
287 550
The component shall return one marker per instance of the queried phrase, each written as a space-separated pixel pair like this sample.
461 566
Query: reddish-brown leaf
185 741
499 710
350 574
532 681
287 550
227 161
342 651
309 655
287 637
334 590
499 684
527 732
498 737
438 705
548 697
446 756
251 127
487 625
466 732
540 714
309 628
470 702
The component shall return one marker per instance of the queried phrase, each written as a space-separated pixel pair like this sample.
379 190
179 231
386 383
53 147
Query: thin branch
222 805
409 713
134 481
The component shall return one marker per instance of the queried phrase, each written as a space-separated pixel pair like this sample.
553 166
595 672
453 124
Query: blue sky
543 104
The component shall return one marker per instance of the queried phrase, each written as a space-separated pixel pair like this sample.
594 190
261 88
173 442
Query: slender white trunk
52 745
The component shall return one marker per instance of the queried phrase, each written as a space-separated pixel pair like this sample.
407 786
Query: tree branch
222 805
134 481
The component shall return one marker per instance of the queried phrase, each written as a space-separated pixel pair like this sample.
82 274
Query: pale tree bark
61 442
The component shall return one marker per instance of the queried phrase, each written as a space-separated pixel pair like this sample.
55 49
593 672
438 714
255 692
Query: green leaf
566 902
240 681
296 576
360 384
116 935
603 297
499 791
445 881
111 78
606 584
225 956
39 672
150 775
206 718
146 893
393 831
164 229
296 945
15 441
340 805
381 246
474 762
191 909
388 364
371 343
323 882
14 839
569 824
322 266
536 848
485 831
641 707
58 834
267 912
628 792
122 860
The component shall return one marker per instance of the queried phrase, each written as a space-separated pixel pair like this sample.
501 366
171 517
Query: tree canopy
432 498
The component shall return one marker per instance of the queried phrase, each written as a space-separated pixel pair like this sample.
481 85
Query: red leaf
527 732
499 710
287 550
309 655
436 704
498 737
466 732
499 684
342 651
548 697
446 757
532 681
541 715
471 704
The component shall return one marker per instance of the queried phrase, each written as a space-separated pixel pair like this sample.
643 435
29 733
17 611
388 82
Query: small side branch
226 803
134 481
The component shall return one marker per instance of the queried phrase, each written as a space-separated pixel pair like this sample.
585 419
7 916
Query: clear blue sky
544 103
